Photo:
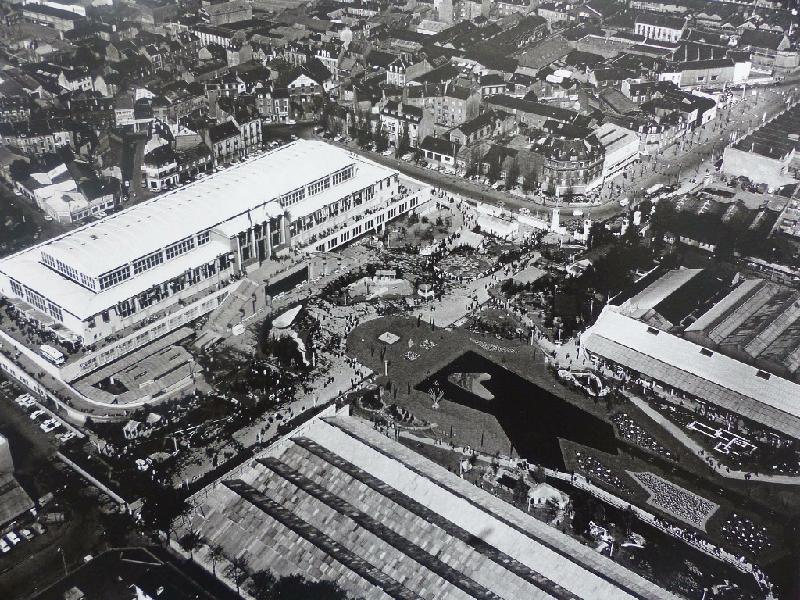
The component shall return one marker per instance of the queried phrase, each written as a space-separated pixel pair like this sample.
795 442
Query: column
285 235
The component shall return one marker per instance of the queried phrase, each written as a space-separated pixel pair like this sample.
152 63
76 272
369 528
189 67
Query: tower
555 222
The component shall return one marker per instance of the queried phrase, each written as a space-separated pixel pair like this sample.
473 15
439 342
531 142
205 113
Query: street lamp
63 560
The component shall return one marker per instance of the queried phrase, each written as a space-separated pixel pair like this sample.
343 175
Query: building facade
135 274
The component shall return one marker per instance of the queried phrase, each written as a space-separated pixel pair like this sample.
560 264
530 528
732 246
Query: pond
533 418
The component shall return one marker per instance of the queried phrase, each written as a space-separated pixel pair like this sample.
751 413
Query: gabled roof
478 123
659 20
439 145
222 131
761 39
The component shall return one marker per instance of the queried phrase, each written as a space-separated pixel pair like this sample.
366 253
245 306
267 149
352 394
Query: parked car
26 533
50 425
37 413
12 538
4 547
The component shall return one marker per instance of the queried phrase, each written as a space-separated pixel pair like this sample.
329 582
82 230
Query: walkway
701 453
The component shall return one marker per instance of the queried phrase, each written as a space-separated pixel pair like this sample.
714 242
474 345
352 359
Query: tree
363 131
380 138
238 570
190 542
160 509
473 161
215 554
530 180
512 173
436 394
495 170
520 491
403 140
262 584
20 170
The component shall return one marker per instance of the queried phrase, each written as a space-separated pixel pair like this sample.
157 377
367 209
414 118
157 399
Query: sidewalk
700 452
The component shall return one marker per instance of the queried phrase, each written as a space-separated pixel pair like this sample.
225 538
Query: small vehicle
37 413
52 355
26 533
49 425
4 547
13 538
66 436
387 153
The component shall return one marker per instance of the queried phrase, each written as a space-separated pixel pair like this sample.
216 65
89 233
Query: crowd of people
596 470
490 347
682 504
745 534
630 430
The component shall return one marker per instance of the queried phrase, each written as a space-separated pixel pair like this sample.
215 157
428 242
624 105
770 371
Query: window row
178 248
114 277
147 262
320 184
292 197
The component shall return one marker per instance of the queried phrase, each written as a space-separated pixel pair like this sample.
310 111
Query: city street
688 159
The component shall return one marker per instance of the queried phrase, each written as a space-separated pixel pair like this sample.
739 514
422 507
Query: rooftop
129 234
214 202
340 501
682 364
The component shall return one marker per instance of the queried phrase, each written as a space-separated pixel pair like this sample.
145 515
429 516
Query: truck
52 355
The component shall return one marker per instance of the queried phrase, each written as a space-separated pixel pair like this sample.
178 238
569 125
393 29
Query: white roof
221 201
368 173
84 303
684 355
130 234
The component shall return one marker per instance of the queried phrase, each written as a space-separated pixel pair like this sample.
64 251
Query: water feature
532 417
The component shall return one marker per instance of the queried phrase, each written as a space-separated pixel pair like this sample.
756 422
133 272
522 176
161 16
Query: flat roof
141 229
226 201
680 363
84 303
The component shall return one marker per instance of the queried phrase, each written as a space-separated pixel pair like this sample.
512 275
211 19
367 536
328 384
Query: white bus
51 354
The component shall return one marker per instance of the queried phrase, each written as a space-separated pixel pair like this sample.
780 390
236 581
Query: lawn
766 504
